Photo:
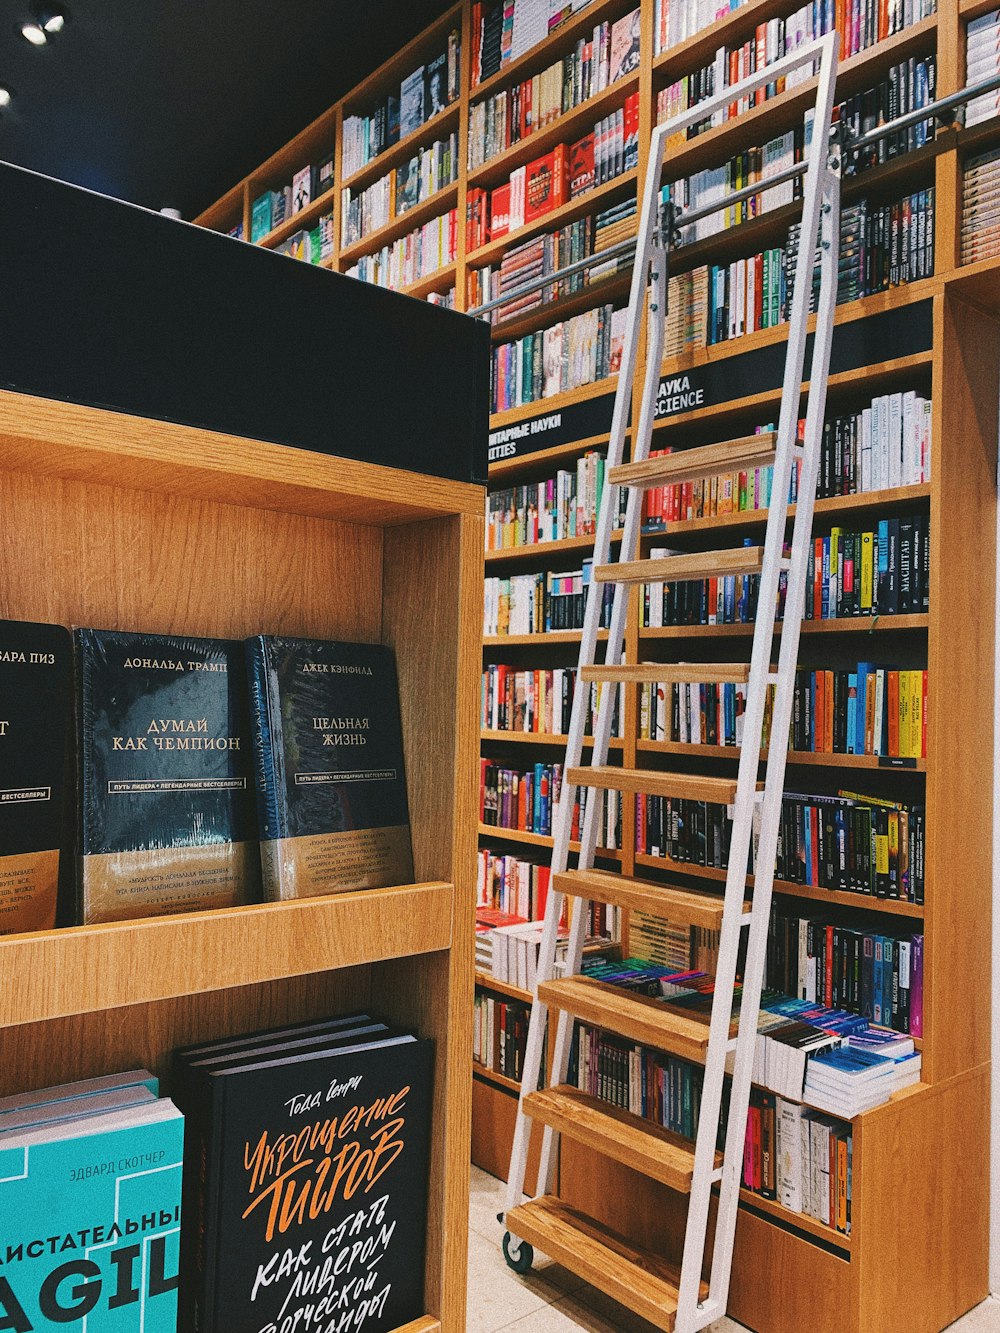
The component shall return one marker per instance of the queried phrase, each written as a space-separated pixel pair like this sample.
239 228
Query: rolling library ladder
642 1281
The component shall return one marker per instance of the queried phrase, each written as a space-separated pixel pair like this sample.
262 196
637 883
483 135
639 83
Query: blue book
859 738
109 1189
882 575
852 712
851 1065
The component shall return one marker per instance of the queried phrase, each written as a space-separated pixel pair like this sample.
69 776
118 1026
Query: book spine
269 765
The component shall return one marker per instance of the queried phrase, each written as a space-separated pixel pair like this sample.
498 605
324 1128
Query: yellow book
867 570
835 589
904 713
916 693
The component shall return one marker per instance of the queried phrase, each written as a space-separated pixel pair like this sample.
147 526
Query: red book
923 719
818 579
560 174
500 211
892 708
581 165
755 1149
540 188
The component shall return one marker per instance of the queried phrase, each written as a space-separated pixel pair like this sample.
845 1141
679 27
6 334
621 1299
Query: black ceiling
168 103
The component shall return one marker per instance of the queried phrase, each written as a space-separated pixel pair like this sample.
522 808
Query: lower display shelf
539 840
498 1080
83 969
491 983
802 1221
425 1324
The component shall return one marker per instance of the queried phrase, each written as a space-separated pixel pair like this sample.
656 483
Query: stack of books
981 207
982 62
845 1080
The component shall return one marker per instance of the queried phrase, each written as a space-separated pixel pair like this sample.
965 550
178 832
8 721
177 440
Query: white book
788 1117
895 438
75 1108
83 1088
910 470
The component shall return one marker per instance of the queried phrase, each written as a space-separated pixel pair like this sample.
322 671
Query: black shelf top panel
113 306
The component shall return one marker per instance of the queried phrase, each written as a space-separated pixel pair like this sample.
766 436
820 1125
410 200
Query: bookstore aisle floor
551 1300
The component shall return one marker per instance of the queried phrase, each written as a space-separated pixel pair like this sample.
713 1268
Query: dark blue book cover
36 674
331 788
318 1163
166 767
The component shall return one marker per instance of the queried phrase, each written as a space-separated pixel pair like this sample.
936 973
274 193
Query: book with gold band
166 776
35 712
331 789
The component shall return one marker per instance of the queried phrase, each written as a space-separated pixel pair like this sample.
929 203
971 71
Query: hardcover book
320 1155
35 723
109 1187
166 764
331 789
411 103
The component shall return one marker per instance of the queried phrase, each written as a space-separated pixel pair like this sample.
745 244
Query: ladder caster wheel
518 1253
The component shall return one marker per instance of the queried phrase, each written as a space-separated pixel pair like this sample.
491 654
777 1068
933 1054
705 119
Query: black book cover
319 1203
35 725
331 787
166 765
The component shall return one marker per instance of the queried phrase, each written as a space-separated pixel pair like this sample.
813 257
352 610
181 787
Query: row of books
511 885
421 95
850 843
430 169
883 446
508 947
885 571
499 1034
273 207
315 246
538 702
547 253
418 254
981 207
505 30
862 971
982 62
511 798
871 710
540 602
566 505
674 21
209 772
548 182
514 114
584 349
800 1158
910 85
859 28
177 1204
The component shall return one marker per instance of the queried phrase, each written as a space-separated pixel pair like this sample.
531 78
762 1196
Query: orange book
892 709
870 713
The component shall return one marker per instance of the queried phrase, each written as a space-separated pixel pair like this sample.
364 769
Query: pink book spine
917 987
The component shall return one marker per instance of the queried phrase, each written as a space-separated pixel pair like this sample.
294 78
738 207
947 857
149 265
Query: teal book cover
90 1224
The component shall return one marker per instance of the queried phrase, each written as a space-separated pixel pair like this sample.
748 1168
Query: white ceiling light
5 96
34 33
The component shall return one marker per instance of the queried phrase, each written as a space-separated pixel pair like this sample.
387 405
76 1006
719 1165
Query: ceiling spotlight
5 96
46 22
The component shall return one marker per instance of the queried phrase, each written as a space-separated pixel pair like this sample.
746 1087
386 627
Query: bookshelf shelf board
812 892
572 125
438 281
840 625
837 504
69 441
582 204
802 757
506 468
544 406
487 982
613 289
82 969
492 1076
304 218
559 40
225 212
550 637
894 298
779 113
439 202
538 840
751 408
442 124
542 738
974 9
542 550
801 1220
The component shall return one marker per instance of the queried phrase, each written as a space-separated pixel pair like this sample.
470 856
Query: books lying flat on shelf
847 1080
312 1149
331 789
110 1185
982 62
87 1087
166 809
35 710
981 207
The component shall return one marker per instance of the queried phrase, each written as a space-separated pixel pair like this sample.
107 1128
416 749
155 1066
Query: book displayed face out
165 775
35 710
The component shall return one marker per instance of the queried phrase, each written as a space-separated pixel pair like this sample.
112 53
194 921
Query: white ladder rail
692 1315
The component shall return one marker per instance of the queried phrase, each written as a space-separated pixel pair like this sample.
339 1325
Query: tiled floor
551 1300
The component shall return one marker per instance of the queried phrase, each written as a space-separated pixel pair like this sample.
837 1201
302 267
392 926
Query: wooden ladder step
679 568
652 782
749 451
671 673
646 1147
683 906
640 1018
639 1279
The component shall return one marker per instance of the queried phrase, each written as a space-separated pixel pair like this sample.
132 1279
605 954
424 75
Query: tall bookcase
917 1255
133 522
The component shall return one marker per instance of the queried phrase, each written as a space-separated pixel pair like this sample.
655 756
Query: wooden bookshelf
791 1273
